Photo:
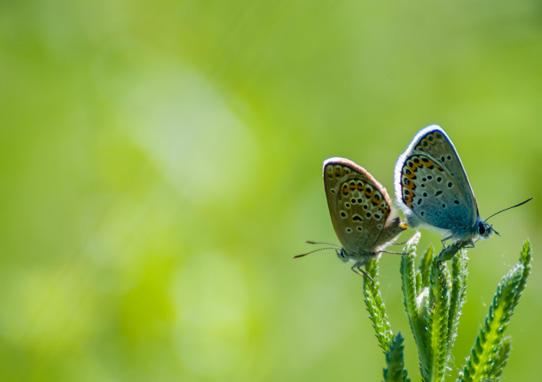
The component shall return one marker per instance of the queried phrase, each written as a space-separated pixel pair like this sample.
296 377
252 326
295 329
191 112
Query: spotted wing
359 206
432 186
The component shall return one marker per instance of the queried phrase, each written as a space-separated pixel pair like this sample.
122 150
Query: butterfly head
341 254
485 230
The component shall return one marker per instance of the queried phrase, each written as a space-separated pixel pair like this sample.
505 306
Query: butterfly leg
443 241
393 253
468 244
357 268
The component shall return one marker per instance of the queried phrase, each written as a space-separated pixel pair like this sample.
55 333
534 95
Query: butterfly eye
342 255
481 228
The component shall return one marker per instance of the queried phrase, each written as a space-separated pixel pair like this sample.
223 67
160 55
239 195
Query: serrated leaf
410 300
439 301
425 267
375 306
487 351
457 295
501 358
395 363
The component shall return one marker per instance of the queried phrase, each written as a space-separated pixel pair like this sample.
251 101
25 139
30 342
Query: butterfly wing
432 186
359 206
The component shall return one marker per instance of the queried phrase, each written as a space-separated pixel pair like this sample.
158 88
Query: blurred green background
161 163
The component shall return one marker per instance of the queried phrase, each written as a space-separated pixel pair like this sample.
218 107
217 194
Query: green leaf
410 300
487 351
439 302
425 267
449 252
500 359
375 306
525 259
395 362
457 295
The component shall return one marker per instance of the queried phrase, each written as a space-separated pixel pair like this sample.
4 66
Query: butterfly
360 210
432 188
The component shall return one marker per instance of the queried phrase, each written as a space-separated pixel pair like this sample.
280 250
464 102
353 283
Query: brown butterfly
361 212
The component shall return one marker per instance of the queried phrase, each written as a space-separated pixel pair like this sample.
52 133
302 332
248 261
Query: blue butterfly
433 189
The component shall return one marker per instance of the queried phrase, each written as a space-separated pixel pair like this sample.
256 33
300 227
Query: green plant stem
375 306
433 296
410 300
487 351
439 302
433 300
457 296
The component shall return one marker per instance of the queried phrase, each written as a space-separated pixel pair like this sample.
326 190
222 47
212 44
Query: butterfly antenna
321 243
509 208
314 250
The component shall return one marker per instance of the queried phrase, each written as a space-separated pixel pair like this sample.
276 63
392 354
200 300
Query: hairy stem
439 301
487 351
395 362
376 308
410 300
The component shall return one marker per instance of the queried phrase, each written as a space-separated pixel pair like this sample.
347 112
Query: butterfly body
433 189
360 211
